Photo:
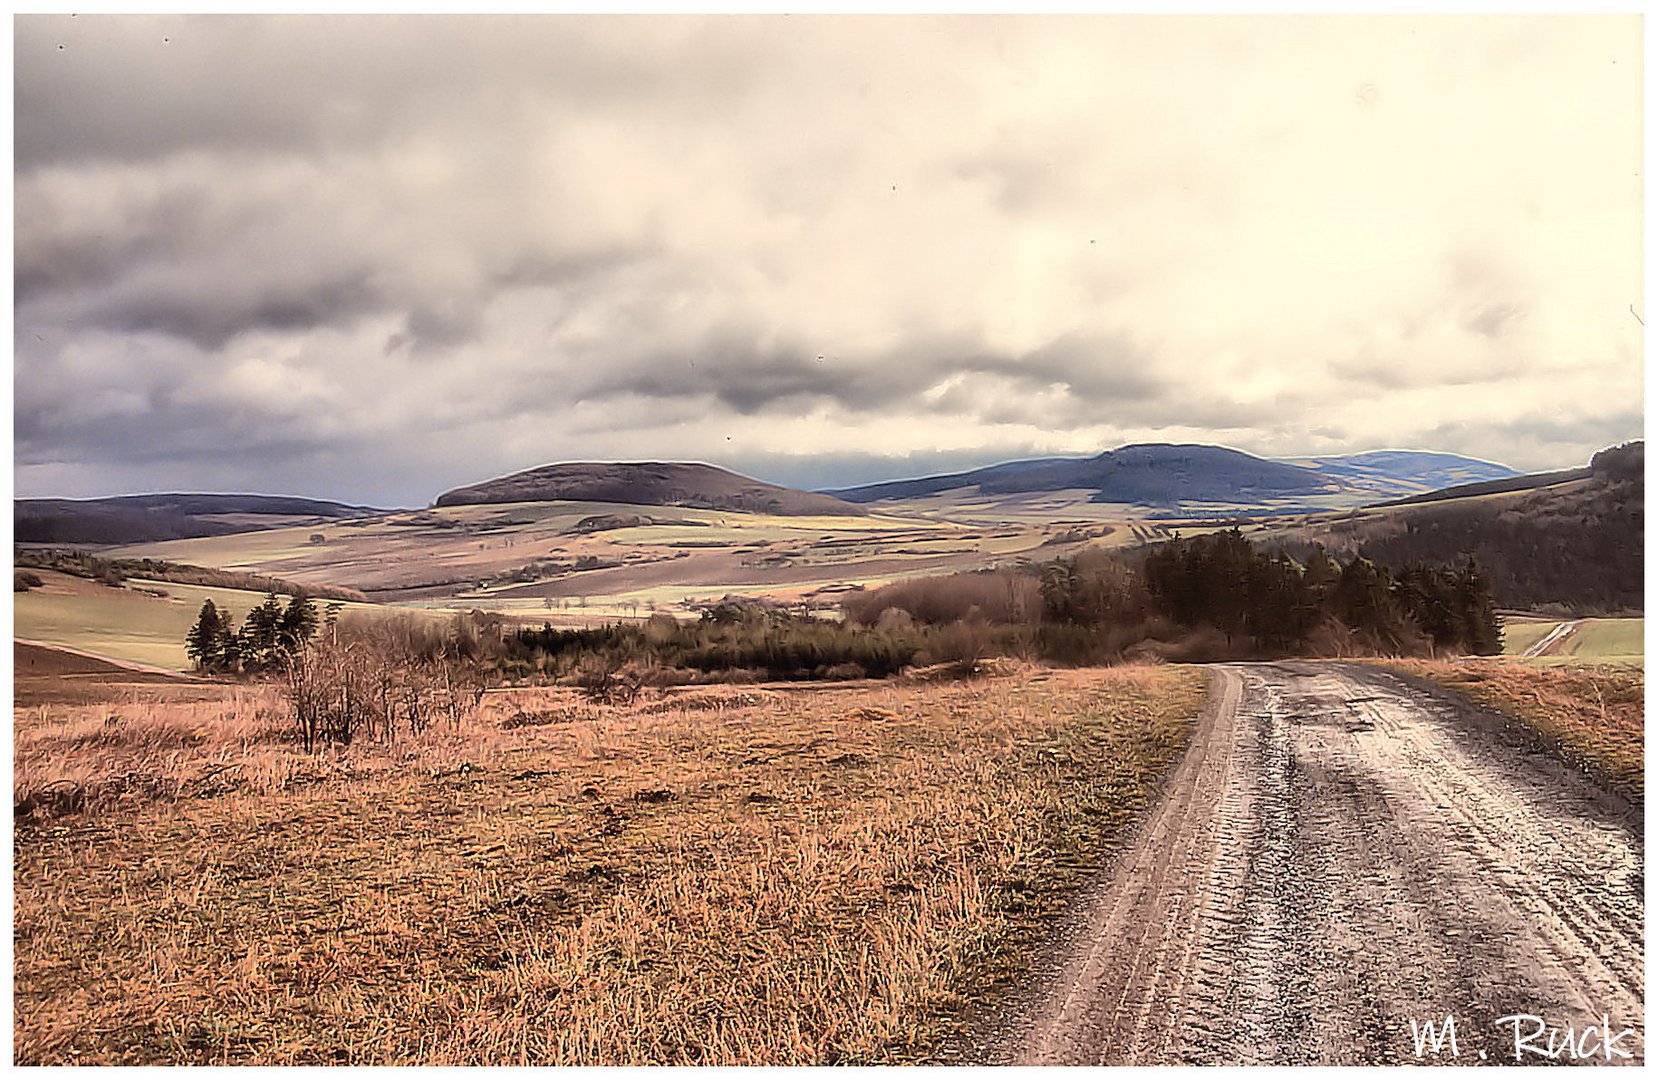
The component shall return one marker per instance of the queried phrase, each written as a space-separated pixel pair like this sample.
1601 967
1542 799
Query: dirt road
1343 851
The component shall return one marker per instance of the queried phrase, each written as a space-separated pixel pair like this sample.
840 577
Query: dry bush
999 596
712 699
962 644
605 678
383 677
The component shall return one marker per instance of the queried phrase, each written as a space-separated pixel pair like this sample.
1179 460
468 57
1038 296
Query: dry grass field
1593 715
763 874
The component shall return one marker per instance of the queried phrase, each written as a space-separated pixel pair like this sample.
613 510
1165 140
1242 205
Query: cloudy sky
374 258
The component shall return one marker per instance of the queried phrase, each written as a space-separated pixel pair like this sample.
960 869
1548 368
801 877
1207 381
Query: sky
373 258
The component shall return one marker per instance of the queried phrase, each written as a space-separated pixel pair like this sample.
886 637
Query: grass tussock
1592 715
797 876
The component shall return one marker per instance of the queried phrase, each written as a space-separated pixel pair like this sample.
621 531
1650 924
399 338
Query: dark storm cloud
1553 430
1492 321
193 433
283 306
138 88
753 376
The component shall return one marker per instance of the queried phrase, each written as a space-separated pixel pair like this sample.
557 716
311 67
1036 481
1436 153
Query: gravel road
1340 852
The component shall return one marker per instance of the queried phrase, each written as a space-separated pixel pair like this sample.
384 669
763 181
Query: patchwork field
562 882
622 559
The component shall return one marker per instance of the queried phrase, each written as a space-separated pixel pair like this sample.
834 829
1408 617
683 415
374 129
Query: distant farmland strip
112 571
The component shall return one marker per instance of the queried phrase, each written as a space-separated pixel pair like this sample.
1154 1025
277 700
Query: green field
122 624
1595 641
1520 634
1607 641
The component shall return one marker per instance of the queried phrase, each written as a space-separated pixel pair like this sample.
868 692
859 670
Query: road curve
1342 851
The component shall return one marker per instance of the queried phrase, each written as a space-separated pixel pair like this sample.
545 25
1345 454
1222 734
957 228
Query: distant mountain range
1157 480
1179 478
143 519
648 483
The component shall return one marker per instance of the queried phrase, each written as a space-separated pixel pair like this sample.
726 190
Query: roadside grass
756 875
1592 715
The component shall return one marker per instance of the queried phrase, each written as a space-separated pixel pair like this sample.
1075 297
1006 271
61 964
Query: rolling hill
1155 479
140 519
647 483
1156 474
1524 482
1404 472
1174 477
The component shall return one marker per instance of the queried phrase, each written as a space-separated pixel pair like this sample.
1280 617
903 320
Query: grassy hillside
1595 641
1607 640
1577 545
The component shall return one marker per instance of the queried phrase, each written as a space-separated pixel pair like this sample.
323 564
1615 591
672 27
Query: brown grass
1593 716
779 876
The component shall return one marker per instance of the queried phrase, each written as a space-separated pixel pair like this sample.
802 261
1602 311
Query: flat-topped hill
647 483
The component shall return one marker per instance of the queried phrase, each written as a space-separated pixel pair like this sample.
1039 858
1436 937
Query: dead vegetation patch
776 882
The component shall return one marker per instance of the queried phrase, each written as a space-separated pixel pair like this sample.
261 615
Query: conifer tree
204 644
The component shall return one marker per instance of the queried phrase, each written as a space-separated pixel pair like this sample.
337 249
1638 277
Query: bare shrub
606 679
963 643
1001 597
376 688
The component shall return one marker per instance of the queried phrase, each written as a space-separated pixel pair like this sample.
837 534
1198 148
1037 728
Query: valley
613 776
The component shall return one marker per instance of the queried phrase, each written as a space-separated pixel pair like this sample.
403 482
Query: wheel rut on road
1342 851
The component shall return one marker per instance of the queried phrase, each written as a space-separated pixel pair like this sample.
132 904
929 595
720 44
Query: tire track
1341 852
1554 637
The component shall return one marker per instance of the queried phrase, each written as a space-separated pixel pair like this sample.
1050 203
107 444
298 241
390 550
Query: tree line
269 634
1575 548
1210 597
